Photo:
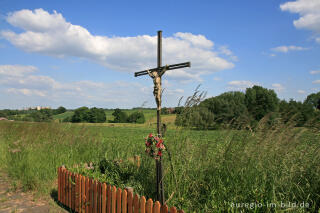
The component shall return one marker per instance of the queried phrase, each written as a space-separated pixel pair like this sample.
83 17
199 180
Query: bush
120 116
136 117
93 115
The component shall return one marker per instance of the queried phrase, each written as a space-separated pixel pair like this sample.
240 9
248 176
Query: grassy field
209 171
148 113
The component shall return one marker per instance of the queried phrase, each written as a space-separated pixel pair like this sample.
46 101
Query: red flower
150 135
158 145
159 153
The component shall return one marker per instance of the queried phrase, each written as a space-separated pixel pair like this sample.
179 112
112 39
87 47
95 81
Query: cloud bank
309 11
25 85
50 34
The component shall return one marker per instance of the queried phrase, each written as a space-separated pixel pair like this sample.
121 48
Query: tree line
246 109
43 115
95 115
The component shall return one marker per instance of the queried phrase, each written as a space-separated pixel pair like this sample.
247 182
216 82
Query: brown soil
19 201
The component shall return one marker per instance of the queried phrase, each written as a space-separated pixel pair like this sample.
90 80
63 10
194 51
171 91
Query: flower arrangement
154 146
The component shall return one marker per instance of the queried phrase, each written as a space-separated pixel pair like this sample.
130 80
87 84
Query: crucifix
156 74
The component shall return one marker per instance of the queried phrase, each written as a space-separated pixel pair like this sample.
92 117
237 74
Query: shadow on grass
54 196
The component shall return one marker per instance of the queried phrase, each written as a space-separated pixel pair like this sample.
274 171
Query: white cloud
309 11
27 92
226 51
240 85
313 72
278 87
51 34
301 91
217 79
16 70
285 49
316 82
27 86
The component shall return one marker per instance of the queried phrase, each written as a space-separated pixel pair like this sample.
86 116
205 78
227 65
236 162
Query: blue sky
84 53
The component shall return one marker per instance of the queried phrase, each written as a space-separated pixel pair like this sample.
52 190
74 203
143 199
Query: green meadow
207 171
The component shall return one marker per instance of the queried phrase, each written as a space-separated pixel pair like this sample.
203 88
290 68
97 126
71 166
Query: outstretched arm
150 74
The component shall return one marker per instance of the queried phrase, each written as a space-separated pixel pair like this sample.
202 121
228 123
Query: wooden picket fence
82 194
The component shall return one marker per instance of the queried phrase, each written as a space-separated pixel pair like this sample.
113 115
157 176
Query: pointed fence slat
82 194
69 189
59 184
73 191
173 210
143 204
149 206
77 192
130 202
99 196
156 208
95 197
64 187
124 201
86 198
104 198
91 194
136 204
164 208
114 199
109 193
119 200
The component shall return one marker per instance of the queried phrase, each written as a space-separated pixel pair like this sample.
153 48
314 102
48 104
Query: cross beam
168 67
156 74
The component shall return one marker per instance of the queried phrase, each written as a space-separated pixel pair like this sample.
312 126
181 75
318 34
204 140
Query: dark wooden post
159 169
156 73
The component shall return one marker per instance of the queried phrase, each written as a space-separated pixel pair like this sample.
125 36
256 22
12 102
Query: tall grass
208 171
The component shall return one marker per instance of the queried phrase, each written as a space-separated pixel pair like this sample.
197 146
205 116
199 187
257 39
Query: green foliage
119 116
60 110
228 108
261 101
84 114
136 117
43 115
80 115
297 112
314 100
207 170
199 117
97 115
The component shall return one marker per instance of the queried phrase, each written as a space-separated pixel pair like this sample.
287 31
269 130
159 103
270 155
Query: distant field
208 172
148 113
63 115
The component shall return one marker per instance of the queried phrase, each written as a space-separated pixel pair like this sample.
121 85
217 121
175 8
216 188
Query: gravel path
18 201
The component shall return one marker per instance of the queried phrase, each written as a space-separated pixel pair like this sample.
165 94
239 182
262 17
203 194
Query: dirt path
18 201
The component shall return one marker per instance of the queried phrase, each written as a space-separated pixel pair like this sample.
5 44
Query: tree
119 116
228 108
43 115
196 116
96 115
261 101
136 117
60 110
296 111
314 100
81 114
